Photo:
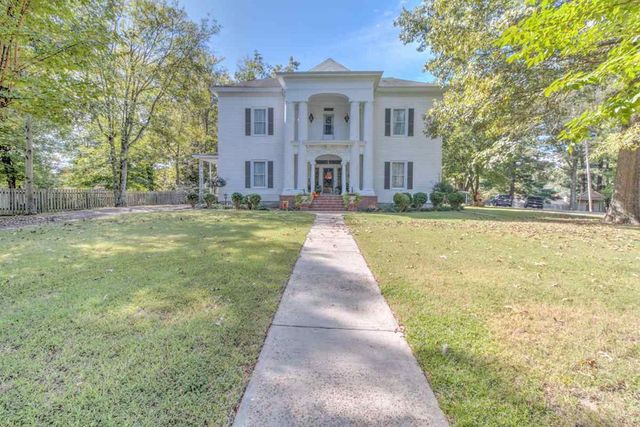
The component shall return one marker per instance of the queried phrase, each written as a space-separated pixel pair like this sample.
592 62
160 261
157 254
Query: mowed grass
144 319
517 318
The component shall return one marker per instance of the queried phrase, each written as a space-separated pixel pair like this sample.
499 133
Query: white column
343 179
200 181
287 163
354 121
303 136
313 175
354 136
368 149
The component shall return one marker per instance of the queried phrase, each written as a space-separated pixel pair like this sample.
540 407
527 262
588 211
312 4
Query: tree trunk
625 203
121 192
8 166
28 168
573 184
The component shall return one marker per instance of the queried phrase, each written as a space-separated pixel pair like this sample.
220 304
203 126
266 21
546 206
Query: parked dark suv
534 202
502 200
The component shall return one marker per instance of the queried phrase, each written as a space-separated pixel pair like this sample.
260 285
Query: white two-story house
330 130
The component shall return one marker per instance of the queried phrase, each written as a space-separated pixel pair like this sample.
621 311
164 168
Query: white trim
266 174
404 174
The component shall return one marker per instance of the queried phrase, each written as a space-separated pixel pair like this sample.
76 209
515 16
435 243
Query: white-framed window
399 122
260 174
327 128
398 175
259 121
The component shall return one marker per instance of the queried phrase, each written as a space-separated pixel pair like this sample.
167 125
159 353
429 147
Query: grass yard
518 318
143 319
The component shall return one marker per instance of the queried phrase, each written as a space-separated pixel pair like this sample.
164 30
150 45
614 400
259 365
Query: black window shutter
411 113
270 122
387 122
270 175
410 176
247 174
387 175
247 122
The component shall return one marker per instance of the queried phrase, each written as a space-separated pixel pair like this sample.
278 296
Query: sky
356 33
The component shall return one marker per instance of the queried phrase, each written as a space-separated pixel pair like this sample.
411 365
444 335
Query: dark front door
327 180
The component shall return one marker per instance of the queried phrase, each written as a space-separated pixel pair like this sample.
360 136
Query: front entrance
327 180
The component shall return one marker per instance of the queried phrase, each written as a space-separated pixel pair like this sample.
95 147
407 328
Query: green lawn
144 319
518 318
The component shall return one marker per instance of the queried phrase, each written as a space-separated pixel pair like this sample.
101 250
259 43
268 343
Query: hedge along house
329 130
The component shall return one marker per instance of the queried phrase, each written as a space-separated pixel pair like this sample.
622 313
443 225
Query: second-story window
399 122
328 125
260 121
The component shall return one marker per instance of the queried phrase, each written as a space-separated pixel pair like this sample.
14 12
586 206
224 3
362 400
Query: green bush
252 200
401 202
236 199
192 198
419 199
437 198
456 199
210 199
444 187
410 198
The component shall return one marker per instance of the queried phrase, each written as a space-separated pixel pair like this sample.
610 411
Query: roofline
377 75
411 89
240 89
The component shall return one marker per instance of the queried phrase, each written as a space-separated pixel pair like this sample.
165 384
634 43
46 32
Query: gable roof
595 196
329 65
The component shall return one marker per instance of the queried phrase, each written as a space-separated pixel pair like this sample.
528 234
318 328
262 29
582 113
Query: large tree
254 67
43 44
597 44
152 44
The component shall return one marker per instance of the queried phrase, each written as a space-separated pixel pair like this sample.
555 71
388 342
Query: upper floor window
259 121
399 122
328 125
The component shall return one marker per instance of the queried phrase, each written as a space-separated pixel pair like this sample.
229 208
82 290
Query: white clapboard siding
14 201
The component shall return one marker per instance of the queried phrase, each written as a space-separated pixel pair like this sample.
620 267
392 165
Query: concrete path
333 355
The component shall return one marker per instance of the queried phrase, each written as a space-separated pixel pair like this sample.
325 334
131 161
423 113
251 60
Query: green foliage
401 201
210 199
437 198
443 187
254 67
192 198
410 198
419 199
237 199
252 200
455 199
351 199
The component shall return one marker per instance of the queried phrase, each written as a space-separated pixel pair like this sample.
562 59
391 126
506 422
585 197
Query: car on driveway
534 202
502 200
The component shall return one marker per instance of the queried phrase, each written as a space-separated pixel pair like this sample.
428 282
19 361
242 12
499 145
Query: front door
327 180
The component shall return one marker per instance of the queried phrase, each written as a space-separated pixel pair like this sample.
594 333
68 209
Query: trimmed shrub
192 199
456 199
252 200
444 187
210 199
410 198
401 202
236 199
419 199
437 198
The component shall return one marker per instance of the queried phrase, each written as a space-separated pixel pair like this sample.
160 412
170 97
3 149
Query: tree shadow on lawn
507 216
110 325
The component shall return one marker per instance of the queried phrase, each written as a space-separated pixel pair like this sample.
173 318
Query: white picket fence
14 201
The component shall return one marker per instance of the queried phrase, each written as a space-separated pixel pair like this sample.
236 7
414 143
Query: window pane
259 174
397 175
260 121
328 124
398 122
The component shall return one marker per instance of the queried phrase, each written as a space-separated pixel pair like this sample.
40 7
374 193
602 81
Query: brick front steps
327 203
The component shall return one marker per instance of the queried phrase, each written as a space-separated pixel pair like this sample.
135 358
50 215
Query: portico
324 129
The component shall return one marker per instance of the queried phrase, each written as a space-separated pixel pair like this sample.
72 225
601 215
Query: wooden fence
14 201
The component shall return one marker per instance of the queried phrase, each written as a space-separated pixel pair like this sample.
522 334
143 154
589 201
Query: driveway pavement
333 355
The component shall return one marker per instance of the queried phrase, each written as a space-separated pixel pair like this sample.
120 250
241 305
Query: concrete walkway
333 355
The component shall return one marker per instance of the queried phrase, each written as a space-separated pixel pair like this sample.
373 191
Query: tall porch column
200 181
368 149
303 136
354 136
313 175
343 178
287 164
